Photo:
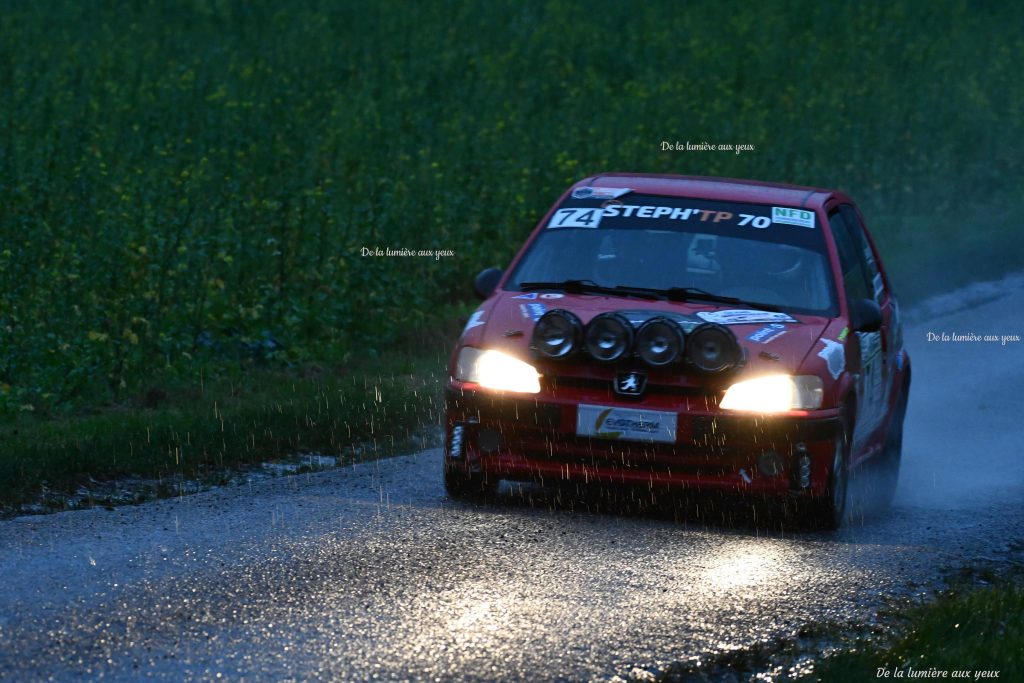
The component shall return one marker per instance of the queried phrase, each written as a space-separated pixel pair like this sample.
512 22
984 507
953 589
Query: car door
883 344
863 280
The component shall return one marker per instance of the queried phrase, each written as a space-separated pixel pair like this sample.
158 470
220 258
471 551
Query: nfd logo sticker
788 216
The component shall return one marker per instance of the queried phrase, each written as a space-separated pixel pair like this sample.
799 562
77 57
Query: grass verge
974 630
244 417
967 634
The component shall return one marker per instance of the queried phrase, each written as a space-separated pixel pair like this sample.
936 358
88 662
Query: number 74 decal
576 218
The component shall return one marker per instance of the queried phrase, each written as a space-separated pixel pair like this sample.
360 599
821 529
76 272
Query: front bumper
507 436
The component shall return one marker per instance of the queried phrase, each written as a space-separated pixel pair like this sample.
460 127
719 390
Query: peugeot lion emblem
630 383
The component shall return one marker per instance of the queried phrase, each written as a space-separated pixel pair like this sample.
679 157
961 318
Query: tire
466 486
892 454
829 511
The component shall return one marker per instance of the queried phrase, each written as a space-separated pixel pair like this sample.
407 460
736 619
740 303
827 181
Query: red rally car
684 332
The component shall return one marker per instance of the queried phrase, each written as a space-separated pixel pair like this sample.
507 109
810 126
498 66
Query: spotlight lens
609 336
713 348
556 334
659 342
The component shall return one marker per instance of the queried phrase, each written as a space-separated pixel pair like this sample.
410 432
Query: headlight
496 370
774 393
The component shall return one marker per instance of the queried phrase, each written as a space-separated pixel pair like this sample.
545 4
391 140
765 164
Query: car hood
773 342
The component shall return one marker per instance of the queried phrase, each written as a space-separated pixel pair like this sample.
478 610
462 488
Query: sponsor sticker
766 334
626 423
870 346
869 257
670 212
534 295
638 317
894 325
533 311
599 192
834 357
743 317
788 216
591 217
871 377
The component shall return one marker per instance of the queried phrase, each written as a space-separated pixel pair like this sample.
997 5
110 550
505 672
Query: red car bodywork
521 436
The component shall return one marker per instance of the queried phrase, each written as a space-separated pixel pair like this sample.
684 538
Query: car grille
554 382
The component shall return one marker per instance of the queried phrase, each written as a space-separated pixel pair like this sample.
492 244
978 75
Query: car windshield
756 253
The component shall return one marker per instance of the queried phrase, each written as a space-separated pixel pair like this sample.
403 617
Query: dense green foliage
189 185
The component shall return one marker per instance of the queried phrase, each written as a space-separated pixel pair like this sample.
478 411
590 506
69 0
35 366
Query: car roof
725 189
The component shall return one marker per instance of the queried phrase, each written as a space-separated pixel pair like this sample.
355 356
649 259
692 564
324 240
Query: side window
851 260
860 240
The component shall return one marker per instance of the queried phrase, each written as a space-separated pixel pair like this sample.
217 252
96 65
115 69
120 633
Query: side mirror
486 281
865 316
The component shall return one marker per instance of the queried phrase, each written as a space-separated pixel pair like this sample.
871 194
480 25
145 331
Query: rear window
759 253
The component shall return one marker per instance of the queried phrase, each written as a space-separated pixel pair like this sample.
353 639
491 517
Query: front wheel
829 511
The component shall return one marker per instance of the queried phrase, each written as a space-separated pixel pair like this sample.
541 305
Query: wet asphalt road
372 573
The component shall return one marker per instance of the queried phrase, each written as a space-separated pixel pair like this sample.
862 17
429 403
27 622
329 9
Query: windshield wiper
571 286
671 293
680 294
695 294
591 287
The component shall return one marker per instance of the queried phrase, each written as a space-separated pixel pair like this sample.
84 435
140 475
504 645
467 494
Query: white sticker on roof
788 216
743 317
599 192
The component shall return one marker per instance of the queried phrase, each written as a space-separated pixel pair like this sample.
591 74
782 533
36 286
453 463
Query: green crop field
186 189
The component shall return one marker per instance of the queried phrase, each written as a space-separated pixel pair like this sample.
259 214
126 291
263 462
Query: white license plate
627 424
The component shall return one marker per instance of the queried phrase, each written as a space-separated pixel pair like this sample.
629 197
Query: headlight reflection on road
477 615
754 563
474 615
